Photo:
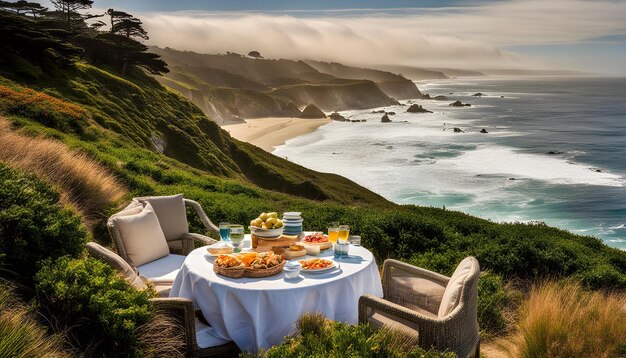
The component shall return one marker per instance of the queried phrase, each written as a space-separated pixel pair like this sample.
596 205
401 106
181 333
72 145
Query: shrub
33 225
318 337
21 335
45 109
564 320
83 183
493 300
97 308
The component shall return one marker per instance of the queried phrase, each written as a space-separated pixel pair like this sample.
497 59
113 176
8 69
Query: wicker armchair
183 311
413 301
172 218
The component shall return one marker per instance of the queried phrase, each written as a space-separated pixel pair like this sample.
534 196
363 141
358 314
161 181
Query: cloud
466 37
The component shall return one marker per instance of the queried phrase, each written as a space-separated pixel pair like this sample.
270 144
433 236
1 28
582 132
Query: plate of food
220 248
317 265
249 264
319 239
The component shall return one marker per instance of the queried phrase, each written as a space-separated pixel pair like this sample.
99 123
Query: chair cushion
452 294
205 337
379 320
142 237
114 260
171 213
163 270
415 293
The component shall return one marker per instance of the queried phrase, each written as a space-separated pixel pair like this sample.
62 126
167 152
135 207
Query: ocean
555 152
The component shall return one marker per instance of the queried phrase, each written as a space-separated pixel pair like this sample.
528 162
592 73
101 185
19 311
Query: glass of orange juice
333 232
344 232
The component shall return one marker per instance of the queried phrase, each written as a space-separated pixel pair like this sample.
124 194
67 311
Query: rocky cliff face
331 97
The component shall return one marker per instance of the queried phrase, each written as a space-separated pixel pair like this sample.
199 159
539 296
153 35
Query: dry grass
20 333
563 320
82 182
162 336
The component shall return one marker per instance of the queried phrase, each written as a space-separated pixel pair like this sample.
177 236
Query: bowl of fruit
267 225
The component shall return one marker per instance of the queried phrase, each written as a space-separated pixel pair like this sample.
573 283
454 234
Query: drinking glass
236 236
344 232
225 231
333 232
354 240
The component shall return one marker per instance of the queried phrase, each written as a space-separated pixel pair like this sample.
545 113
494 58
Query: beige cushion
452 294
171 213
132 209
142 236
416 293
381 320
115 261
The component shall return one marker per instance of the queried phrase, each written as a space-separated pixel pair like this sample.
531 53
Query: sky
584 35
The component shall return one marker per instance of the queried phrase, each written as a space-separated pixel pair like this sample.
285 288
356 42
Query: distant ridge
229 87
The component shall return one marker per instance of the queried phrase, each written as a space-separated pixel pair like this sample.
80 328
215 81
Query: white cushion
171 213
142 236
163 270
205 337
452 294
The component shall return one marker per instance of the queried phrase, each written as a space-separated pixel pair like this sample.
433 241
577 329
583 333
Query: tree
23 7
255 54
69 8
123 23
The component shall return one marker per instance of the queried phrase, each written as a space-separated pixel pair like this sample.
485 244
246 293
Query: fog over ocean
504 175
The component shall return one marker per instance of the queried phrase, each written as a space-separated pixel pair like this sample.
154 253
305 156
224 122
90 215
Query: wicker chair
173 224
439 311
180 309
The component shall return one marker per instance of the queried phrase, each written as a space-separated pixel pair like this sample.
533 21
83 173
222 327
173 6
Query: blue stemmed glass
225 232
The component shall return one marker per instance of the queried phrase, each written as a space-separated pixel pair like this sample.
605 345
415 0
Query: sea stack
483 131
385 119
291 110
312 111
416 108
459 104
337 117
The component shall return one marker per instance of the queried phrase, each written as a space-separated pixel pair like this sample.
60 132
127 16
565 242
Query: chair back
171 212
119 264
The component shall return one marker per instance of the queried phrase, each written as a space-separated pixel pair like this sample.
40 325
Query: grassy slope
144 113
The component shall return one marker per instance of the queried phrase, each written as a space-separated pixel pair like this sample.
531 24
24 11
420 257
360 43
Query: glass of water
225 231
236 236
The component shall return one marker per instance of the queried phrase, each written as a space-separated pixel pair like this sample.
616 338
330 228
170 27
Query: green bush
97 308
318 337
33 225
493 299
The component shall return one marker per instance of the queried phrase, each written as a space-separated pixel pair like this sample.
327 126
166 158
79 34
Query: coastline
269 132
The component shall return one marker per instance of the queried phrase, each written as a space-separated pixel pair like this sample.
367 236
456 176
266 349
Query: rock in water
385 119
440 98
479 94
379 111
483 131
459 104
337 117
458 130
391 113
311 111
426 96
416 108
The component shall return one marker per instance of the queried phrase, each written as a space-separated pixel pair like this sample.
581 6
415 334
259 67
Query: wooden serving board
263 245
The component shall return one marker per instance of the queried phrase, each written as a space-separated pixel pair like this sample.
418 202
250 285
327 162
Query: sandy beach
268 133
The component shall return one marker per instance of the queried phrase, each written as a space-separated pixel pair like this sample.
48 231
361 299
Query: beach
270 132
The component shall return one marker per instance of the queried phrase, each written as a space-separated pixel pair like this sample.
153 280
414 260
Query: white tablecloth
259 313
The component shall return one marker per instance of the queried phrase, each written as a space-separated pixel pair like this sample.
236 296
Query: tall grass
564 320
83 183
20 333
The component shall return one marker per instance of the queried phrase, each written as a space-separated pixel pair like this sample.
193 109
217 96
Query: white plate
334 266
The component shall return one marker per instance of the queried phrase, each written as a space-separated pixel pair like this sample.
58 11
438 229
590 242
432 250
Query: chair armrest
205 240
183 311
203 217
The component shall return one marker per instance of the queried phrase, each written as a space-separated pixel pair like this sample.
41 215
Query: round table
258 313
